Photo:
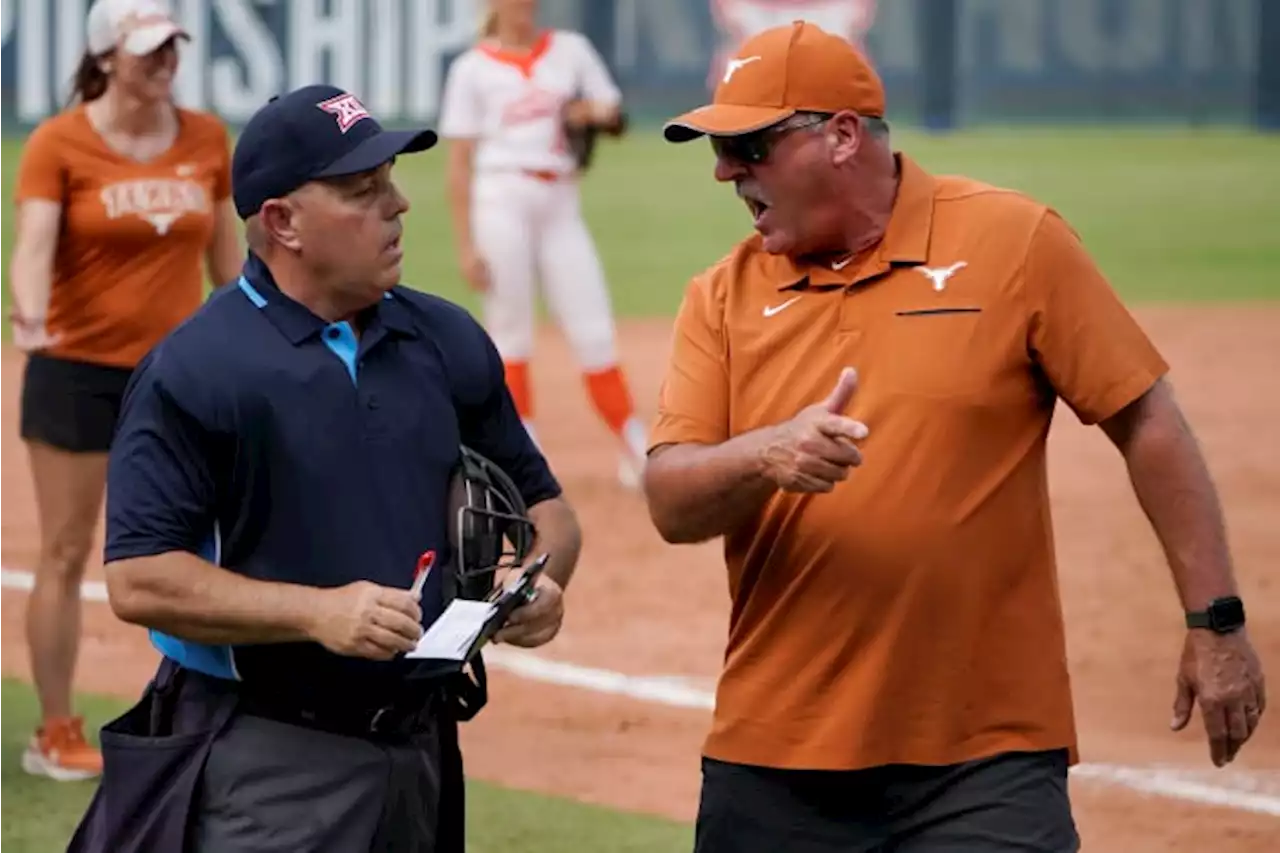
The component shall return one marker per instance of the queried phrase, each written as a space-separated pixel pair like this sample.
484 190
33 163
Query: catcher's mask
489 527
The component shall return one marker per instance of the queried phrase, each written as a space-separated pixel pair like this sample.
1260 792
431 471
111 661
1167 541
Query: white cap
136 26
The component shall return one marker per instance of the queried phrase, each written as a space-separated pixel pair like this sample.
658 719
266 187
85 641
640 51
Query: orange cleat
59 751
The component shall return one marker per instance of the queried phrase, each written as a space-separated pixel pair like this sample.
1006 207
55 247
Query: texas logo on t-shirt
160 201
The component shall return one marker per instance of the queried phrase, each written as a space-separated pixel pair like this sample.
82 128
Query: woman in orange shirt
121 197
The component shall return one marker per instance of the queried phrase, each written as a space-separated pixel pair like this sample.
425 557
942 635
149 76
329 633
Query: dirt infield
643 608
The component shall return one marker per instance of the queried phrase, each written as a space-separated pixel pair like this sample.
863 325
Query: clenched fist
365 620
815 450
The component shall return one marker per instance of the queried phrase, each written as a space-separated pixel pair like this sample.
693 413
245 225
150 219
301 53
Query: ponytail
89 81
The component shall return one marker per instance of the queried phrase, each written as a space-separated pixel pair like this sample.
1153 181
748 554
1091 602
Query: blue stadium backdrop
945 62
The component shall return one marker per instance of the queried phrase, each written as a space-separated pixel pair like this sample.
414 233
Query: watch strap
1199 619
1223 615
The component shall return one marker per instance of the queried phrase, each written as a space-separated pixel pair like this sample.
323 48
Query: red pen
425 562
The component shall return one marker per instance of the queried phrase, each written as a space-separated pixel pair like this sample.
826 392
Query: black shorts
1014 801
71 405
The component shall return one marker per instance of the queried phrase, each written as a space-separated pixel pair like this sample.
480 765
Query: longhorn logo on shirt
159 201
940 275
739 20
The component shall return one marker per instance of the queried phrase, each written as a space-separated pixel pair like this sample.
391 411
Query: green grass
40 815
1168 213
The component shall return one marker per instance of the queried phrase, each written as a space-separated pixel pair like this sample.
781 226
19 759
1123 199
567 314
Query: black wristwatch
1223 616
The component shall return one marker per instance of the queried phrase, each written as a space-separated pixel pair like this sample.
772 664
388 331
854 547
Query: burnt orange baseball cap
779 72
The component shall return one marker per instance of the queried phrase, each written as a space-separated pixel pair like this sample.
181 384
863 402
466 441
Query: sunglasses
755 147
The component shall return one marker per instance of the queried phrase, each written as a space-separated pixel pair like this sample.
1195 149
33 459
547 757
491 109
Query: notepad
467 625
453 636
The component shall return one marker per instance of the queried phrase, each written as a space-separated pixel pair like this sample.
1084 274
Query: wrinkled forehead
339 187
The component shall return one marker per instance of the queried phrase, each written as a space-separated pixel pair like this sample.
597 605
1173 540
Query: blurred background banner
945 62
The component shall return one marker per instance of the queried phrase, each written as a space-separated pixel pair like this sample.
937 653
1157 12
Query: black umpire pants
1009 802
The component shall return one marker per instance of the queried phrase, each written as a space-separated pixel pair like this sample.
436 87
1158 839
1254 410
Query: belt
413 712
395 720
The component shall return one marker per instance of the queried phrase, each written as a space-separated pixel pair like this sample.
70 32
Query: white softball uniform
525 215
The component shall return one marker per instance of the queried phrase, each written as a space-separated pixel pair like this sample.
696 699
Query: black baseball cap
314 132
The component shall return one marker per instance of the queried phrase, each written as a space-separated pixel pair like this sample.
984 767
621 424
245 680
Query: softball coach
267 502
888 533
121 197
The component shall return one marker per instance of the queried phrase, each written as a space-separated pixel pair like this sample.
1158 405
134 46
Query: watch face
1227 613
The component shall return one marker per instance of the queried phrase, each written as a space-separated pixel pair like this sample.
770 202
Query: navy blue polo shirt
285 448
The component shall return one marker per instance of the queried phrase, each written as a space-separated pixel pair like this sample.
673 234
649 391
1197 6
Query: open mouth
751 198
757 207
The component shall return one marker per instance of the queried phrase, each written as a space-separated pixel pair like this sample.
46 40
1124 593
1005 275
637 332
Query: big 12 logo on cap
739 20
347 109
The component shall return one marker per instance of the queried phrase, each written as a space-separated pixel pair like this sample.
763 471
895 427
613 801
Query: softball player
513 191
122 199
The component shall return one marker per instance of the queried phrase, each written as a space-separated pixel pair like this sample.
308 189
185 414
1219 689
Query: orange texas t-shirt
130 257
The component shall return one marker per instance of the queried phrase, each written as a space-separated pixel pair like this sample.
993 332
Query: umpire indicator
267 531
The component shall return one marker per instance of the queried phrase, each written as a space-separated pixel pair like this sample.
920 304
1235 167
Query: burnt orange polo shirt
130 259
912 614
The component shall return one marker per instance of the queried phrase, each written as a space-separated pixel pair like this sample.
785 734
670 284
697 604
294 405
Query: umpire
282 461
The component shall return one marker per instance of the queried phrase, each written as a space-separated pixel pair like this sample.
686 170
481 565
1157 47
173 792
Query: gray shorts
272 787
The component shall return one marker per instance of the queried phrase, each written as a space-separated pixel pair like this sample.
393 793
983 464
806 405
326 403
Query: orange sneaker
59 750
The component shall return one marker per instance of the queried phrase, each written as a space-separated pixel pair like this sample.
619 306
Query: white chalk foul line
671 693
658 691
1170 783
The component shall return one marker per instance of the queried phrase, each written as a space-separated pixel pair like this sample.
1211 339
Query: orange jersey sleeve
1091 349
42 171
693 403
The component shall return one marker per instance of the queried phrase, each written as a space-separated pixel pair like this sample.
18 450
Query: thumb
1182 703
840 396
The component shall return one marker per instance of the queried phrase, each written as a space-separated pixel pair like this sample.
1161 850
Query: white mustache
750 192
